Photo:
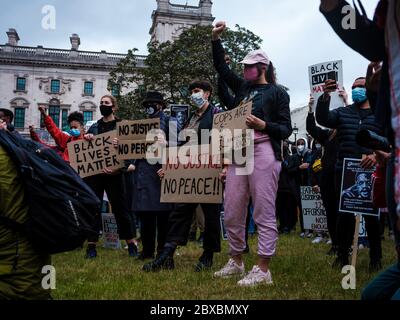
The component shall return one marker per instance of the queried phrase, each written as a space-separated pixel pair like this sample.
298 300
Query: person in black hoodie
348 121
286 203
327 138
113 183
180 219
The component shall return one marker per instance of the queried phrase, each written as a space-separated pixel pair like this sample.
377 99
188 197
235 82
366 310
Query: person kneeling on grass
272 124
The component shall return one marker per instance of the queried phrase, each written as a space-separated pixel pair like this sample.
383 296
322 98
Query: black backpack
62 208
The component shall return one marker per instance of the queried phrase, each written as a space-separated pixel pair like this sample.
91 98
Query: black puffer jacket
348 121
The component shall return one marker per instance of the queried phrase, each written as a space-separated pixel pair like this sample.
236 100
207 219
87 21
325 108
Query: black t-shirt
104 127
258 94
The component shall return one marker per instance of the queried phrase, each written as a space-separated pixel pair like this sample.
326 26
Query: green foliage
171 67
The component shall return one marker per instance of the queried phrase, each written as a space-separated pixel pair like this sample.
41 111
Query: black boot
164 261
132 250
332 252
205 262
375 266
91 252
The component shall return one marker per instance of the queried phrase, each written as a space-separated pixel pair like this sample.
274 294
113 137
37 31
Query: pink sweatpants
262 186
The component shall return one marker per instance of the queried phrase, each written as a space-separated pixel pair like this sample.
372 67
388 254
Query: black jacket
348 122
206 122
331 146
276 101
368 39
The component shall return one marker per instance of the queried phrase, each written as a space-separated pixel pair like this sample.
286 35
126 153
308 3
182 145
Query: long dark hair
270 75
270 72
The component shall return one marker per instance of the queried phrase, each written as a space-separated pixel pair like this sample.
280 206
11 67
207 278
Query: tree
172 66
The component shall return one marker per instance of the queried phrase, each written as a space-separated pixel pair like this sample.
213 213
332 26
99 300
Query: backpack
62 208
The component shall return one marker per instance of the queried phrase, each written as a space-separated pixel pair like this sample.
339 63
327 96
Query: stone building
169 20
62 81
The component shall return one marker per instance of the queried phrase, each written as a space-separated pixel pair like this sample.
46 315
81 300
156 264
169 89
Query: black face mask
105 110
151 110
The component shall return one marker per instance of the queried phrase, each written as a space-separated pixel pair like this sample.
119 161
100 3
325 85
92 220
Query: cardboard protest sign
133 150
110 232
356 191
132 137
319 74
90 158
235 122
191 179
314 214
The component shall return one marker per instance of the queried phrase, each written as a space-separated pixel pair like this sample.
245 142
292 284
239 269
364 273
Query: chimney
75 42
13 37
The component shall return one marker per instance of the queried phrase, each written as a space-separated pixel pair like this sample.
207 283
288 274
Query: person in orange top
76 132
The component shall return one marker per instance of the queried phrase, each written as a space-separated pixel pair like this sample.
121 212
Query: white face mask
301 148
198 99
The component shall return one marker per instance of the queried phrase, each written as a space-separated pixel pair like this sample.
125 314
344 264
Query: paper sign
110 232
356 191
322 72
314 214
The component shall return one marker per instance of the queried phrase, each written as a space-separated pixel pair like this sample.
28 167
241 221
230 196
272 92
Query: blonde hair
113 100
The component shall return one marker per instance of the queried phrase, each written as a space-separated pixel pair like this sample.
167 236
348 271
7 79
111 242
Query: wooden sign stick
355 244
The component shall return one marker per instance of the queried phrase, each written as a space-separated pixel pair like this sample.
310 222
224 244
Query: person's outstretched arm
367 38
227 75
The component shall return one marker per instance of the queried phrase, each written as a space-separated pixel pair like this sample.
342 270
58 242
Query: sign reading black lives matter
90 158
314 213
132 138
322 72
194 179
356 191
235 122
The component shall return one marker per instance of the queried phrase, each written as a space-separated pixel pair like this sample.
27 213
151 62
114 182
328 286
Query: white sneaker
317 240
310 235
302 235
329 242
230 269
256 277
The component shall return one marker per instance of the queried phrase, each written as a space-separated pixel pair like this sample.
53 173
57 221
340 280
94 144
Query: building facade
62 81
169 20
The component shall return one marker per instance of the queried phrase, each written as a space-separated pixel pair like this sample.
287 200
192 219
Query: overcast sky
295 34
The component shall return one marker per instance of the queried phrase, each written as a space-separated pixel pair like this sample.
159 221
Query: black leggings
180 221
114 186
152 225
331 203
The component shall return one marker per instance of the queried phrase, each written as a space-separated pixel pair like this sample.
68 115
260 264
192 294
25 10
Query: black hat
154 96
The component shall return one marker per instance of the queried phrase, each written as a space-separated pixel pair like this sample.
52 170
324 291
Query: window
21 84
64 120
87 116
55 86
54 113
42 125
88 89
115 90
19 121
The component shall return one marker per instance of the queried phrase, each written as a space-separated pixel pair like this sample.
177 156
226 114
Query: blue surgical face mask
198 99
75 133
359 95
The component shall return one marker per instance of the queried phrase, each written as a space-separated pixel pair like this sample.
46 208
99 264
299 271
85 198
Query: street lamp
295 132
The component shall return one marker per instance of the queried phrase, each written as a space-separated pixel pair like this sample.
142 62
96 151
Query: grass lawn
300 270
